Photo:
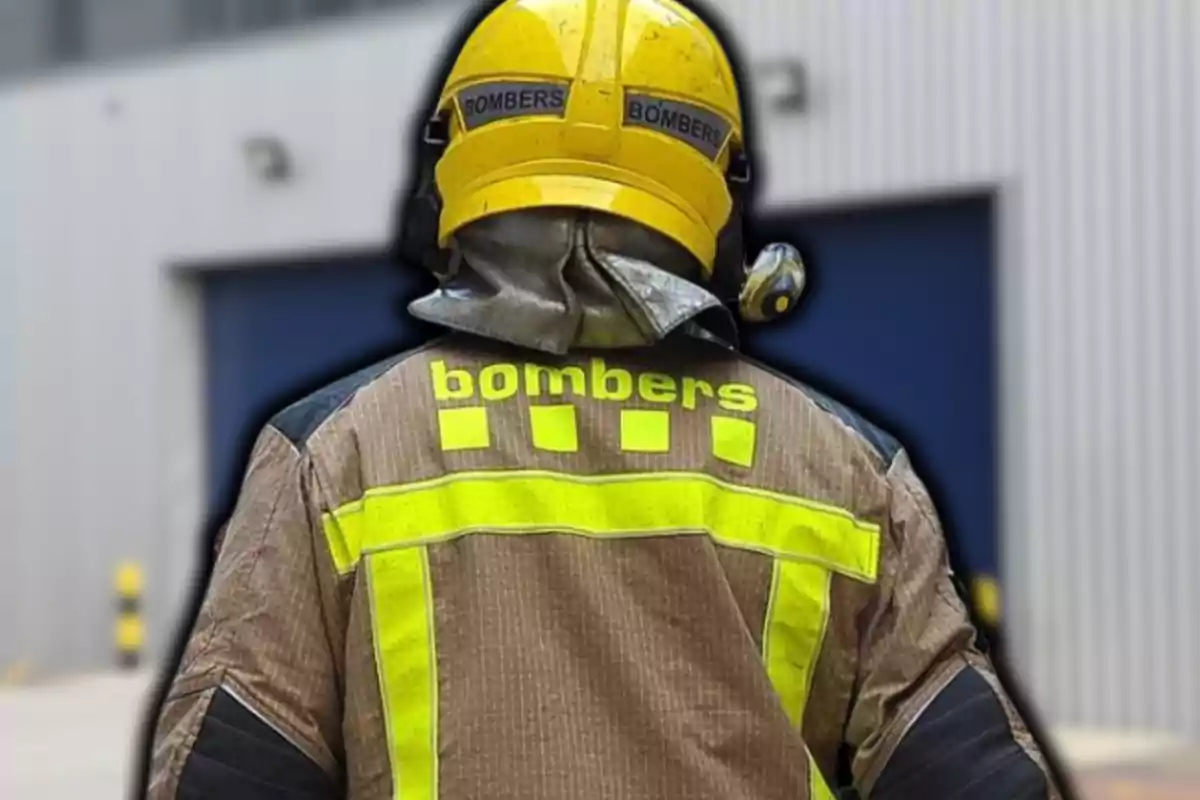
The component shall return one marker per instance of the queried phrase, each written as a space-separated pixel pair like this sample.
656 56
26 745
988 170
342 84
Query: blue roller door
274 334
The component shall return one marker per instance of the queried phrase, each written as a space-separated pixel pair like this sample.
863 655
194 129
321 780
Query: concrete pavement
70 739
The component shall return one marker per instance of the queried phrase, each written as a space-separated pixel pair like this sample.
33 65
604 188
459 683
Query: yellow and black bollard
985 596
129 631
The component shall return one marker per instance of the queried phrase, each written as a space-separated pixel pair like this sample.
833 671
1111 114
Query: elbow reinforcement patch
961 746
238 756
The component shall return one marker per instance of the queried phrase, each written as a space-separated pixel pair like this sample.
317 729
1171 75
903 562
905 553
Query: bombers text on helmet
624 106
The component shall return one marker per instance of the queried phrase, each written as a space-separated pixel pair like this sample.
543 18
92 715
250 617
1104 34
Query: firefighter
580 547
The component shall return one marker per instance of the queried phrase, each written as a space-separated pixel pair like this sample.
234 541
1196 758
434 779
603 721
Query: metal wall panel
23 27
116 29
1083 114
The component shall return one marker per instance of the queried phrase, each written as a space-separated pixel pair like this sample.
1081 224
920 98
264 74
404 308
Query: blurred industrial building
999 201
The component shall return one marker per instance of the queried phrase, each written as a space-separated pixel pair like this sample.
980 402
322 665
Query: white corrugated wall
1082 113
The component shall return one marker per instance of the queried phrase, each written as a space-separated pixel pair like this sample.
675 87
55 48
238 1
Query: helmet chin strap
557 279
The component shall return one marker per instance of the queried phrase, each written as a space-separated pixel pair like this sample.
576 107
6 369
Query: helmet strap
417 240
729 265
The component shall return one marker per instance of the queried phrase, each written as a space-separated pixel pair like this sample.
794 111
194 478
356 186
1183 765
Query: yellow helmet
625 106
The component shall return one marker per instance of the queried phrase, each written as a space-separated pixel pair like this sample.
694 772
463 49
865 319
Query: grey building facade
42 36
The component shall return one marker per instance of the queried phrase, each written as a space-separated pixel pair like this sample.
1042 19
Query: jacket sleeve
254 709
931 718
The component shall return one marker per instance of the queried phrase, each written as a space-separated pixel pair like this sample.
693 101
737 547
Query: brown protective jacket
475 571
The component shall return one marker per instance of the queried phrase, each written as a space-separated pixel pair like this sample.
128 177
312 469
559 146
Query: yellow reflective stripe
389 525
405 655
797 615
645 431
464 428
779 525
343 533
818 789
734 440
554 428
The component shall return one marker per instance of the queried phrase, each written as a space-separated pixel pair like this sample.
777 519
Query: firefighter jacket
475 571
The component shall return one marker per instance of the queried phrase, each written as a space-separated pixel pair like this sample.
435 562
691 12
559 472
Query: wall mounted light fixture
787 84
267 158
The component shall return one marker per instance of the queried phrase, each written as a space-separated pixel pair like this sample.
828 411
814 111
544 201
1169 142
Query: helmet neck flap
555 279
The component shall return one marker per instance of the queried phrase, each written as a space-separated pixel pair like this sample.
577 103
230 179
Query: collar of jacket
553 283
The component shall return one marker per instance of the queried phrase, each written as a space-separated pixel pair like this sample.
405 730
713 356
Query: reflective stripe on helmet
490 102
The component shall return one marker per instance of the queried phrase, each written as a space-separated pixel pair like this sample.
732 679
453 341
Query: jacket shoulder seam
302 419
882 443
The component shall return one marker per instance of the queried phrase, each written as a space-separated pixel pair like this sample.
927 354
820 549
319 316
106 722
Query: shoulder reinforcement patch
301 419
962 746
886 445
237 755
882 442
